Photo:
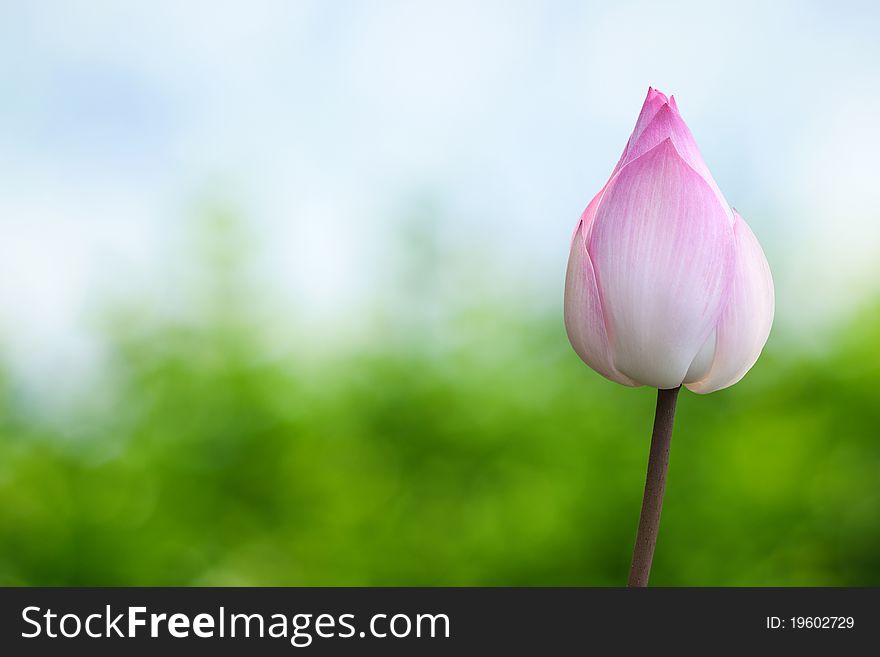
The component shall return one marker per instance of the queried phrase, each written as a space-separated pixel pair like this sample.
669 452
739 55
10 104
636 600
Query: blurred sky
325 121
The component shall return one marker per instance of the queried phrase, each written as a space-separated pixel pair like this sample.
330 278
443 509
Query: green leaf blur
463 447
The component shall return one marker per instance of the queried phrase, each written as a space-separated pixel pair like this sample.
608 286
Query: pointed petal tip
653 92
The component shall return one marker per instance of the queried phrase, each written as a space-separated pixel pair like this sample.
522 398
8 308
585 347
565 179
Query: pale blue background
326 122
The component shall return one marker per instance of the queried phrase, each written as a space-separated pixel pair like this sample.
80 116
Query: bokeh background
281 283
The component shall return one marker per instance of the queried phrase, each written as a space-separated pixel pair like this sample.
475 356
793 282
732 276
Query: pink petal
668 124
662 251
653 102
588 215
702 362
584 320
744 325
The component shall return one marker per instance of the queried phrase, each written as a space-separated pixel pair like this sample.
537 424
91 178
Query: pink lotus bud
666 284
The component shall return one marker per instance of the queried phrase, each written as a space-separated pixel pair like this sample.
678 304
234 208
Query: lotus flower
666 283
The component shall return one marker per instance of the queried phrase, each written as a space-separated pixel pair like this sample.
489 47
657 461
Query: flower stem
655 483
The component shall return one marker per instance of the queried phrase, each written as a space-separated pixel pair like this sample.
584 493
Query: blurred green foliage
494 457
